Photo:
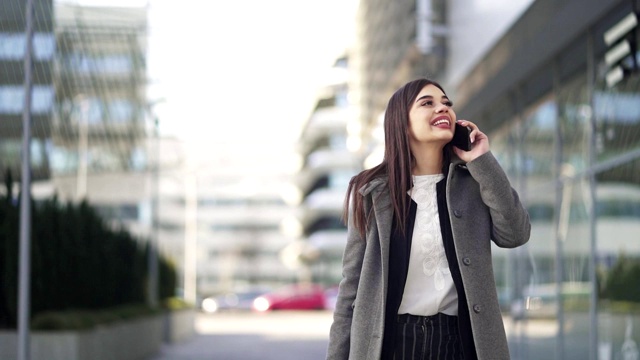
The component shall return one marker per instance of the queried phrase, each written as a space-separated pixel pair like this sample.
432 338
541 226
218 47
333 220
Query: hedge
78 261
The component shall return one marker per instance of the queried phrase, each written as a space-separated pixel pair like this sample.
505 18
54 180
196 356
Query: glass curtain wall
617 218
574 156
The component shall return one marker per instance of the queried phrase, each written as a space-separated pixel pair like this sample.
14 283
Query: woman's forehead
431 90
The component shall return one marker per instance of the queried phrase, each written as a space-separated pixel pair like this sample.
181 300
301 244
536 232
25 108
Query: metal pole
24 280
154 241
593 278
83 147
563 192
191 236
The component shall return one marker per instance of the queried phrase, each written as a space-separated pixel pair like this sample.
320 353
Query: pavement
289 335
280 335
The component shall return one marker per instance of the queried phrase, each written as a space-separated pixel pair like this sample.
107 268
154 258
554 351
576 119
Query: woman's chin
446 139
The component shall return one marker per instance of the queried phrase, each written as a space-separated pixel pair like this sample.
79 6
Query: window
12 99
118 212
114 64
12 46
120 111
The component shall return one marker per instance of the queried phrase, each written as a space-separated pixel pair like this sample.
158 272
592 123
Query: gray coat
482 207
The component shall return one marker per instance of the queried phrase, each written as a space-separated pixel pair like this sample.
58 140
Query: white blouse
429 288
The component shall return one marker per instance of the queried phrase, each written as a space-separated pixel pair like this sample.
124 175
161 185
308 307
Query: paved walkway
251 336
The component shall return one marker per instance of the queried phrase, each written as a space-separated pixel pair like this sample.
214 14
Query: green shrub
64 320
78 261
621 281
133 311
176 303
88 319
621 307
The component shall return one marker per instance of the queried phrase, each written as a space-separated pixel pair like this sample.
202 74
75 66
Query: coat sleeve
340 333
511 226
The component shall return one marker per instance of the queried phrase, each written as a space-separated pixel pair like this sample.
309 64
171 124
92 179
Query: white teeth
441 122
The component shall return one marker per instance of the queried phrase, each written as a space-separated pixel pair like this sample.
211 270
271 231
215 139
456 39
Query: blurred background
192 158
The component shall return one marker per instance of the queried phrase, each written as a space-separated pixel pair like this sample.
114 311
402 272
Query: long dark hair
397 162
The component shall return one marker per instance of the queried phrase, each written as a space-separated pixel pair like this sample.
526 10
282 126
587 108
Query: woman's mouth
442 122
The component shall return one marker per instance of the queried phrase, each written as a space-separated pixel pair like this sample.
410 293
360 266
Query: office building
100 124
570 141
396 41
238 214
13 43
321 183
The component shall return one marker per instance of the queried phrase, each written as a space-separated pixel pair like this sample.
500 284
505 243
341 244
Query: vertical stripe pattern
433 337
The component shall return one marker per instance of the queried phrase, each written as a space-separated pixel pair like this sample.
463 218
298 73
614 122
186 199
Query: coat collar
379 183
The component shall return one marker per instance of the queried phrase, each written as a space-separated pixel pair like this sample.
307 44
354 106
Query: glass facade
13 43
569 141
574 156
617 214
12 99
12 46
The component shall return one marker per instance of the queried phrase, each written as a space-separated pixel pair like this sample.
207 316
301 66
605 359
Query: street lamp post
24 300
190 235
154 240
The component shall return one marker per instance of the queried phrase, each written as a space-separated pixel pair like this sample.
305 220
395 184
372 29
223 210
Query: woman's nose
442 108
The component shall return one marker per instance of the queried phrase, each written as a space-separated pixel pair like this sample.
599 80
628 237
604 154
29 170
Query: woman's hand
479 142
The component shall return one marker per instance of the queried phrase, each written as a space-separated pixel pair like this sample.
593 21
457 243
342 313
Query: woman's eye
448 103
427 103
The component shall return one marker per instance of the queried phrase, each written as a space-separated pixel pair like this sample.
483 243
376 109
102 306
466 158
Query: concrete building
89 107
238 215
99 148
91 123
322 181
94 133
396 41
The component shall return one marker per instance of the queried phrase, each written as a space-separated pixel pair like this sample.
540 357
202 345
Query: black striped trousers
433 337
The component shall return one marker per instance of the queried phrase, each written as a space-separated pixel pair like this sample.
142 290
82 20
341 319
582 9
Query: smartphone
461 138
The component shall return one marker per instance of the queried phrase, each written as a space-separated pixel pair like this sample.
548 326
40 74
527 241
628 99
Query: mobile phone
461 138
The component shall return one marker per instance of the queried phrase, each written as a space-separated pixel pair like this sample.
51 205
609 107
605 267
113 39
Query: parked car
241 300
293 297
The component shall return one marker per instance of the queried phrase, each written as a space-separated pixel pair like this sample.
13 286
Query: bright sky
237 70
240 75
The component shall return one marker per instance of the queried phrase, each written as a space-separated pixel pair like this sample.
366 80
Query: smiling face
431 118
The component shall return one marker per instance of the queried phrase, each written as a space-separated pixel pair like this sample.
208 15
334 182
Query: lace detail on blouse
427 229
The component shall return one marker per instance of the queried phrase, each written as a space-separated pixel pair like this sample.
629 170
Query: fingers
458 152
474 129
479 140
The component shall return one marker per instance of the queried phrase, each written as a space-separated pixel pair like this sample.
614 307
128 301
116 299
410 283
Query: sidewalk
249 336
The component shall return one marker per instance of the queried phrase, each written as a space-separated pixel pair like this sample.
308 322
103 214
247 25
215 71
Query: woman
417 276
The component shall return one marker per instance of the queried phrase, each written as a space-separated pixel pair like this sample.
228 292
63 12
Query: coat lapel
383 213
383 216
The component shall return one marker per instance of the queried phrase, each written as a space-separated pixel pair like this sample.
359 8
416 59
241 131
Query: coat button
466 261
457 213
477 308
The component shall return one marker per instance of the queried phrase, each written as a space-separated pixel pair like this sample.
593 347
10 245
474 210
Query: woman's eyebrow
424 97
430 97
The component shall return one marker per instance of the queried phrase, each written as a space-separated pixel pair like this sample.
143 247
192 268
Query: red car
293 297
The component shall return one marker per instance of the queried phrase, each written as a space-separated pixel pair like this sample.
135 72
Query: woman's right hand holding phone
479 142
